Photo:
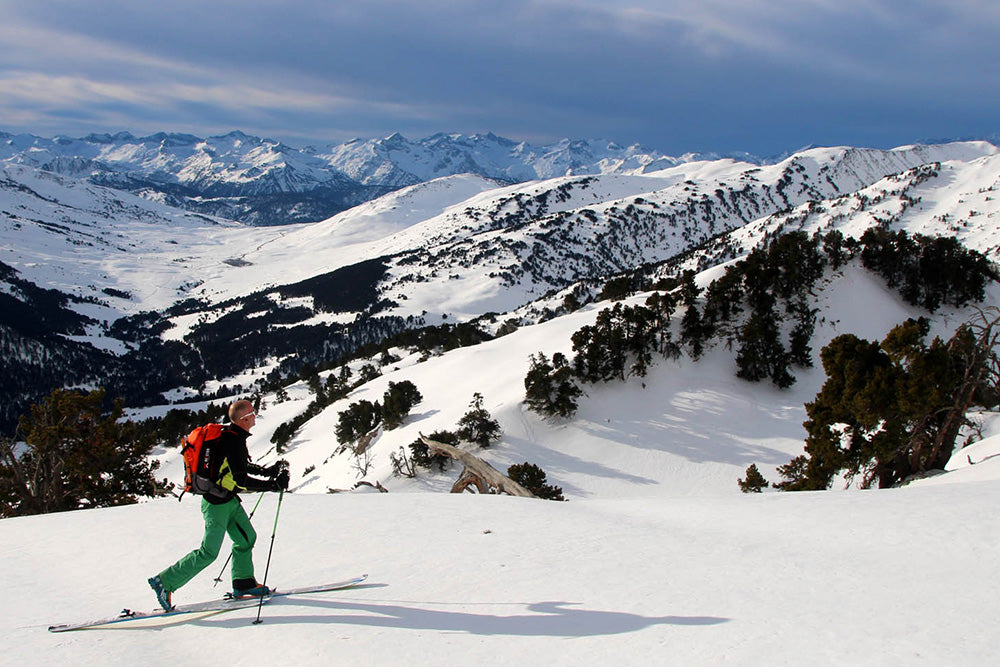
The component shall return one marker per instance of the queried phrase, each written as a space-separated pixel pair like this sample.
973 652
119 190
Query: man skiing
224 514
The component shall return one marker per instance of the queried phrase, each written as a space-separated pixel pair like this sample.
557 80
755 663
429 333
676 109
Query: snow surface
876 578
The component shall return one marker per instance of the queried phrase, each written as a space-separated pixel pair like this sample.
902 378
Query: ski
200 609
334 586
178 614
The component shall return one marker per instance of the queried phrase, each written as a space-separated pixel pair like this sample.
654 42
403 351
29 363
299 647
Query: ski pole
223 570
281 494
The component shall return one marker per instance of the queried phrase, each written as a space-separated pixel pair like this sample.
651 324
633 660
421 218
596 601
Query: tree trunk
467 479
477 472
976 372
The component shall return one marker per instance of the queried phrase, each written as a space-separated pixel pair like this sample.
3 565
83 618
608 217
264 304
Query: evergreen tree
689 288
600 349
835 249
761 354
316 385
421 455
358 420
534 479
845 415
75 456
797 263
549 387
889 411
477 425
754 482
692 332
662 306
724 296
397 402
800 350
928 272
571 303
616 289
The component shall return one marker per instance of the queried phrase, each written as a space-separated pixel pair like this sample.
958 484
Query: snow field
893 577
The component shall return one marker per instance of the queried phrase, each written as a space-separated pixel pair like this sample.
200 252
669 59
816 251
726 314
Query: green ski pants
230 518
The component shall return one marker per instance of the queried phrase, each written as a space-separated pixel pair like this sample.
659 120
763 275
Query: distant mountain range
265 182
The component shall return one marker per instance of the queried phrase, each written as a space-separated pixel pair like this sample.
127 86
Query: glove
281 480
273 470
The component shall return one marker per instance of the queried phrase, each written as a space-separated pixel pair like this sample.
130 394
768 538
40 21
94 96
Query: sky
675 76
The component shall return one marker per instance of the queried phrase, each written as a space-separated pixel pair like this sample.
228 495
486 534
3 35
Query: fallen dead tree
477 472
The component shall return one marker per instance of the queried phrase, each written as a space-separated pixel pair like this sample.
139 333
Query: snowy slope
460 235
80 238
877 578
655 559
639 567
503 247
453 249
688 428
952 198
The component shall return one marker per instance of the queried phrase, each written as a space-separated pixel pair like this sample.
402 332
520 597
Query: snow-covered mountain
266 182
395 160
445 251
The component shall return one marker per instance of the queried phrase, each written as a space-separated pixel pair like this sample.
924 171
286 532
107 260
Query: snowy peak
396 159
216 175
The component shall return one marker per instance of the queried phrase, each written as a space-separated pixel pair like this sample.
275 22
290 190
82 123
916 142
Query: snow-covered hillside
656 558
455 235
446 251
688 428
83 239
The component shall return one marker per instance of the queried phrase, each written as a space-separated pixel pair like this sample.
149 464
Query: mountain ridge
211 175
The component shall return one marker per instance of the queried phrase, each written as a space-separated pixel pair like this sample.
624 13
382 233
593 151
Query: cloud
678 74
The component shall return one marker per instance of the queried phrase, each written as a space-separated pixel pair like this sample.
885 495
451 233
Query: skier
224 514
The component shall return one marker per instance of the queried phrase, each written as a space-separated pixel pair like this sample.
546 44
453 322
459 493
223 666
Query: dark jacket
235 468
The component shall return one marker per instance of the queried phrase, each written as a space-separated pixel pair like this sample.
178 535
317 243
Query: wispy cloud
676 74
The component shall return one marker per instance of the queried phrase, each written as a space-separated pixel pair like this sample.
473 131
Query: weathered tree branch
477 472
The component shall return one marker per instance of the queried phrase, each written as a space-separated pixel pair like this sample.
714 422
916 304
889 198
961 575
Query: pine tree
477 425
357 420
397 402
891 410
420 453
549 387
835 249
75 456
533 479
754 482
693 332
761 354
800 351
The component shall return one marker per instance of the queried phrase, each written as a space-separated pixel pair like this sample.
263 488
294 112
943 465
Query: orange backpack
200 466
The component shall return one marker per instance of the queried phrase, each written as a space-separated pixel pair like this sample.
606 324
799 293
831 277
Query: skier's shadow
539 619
